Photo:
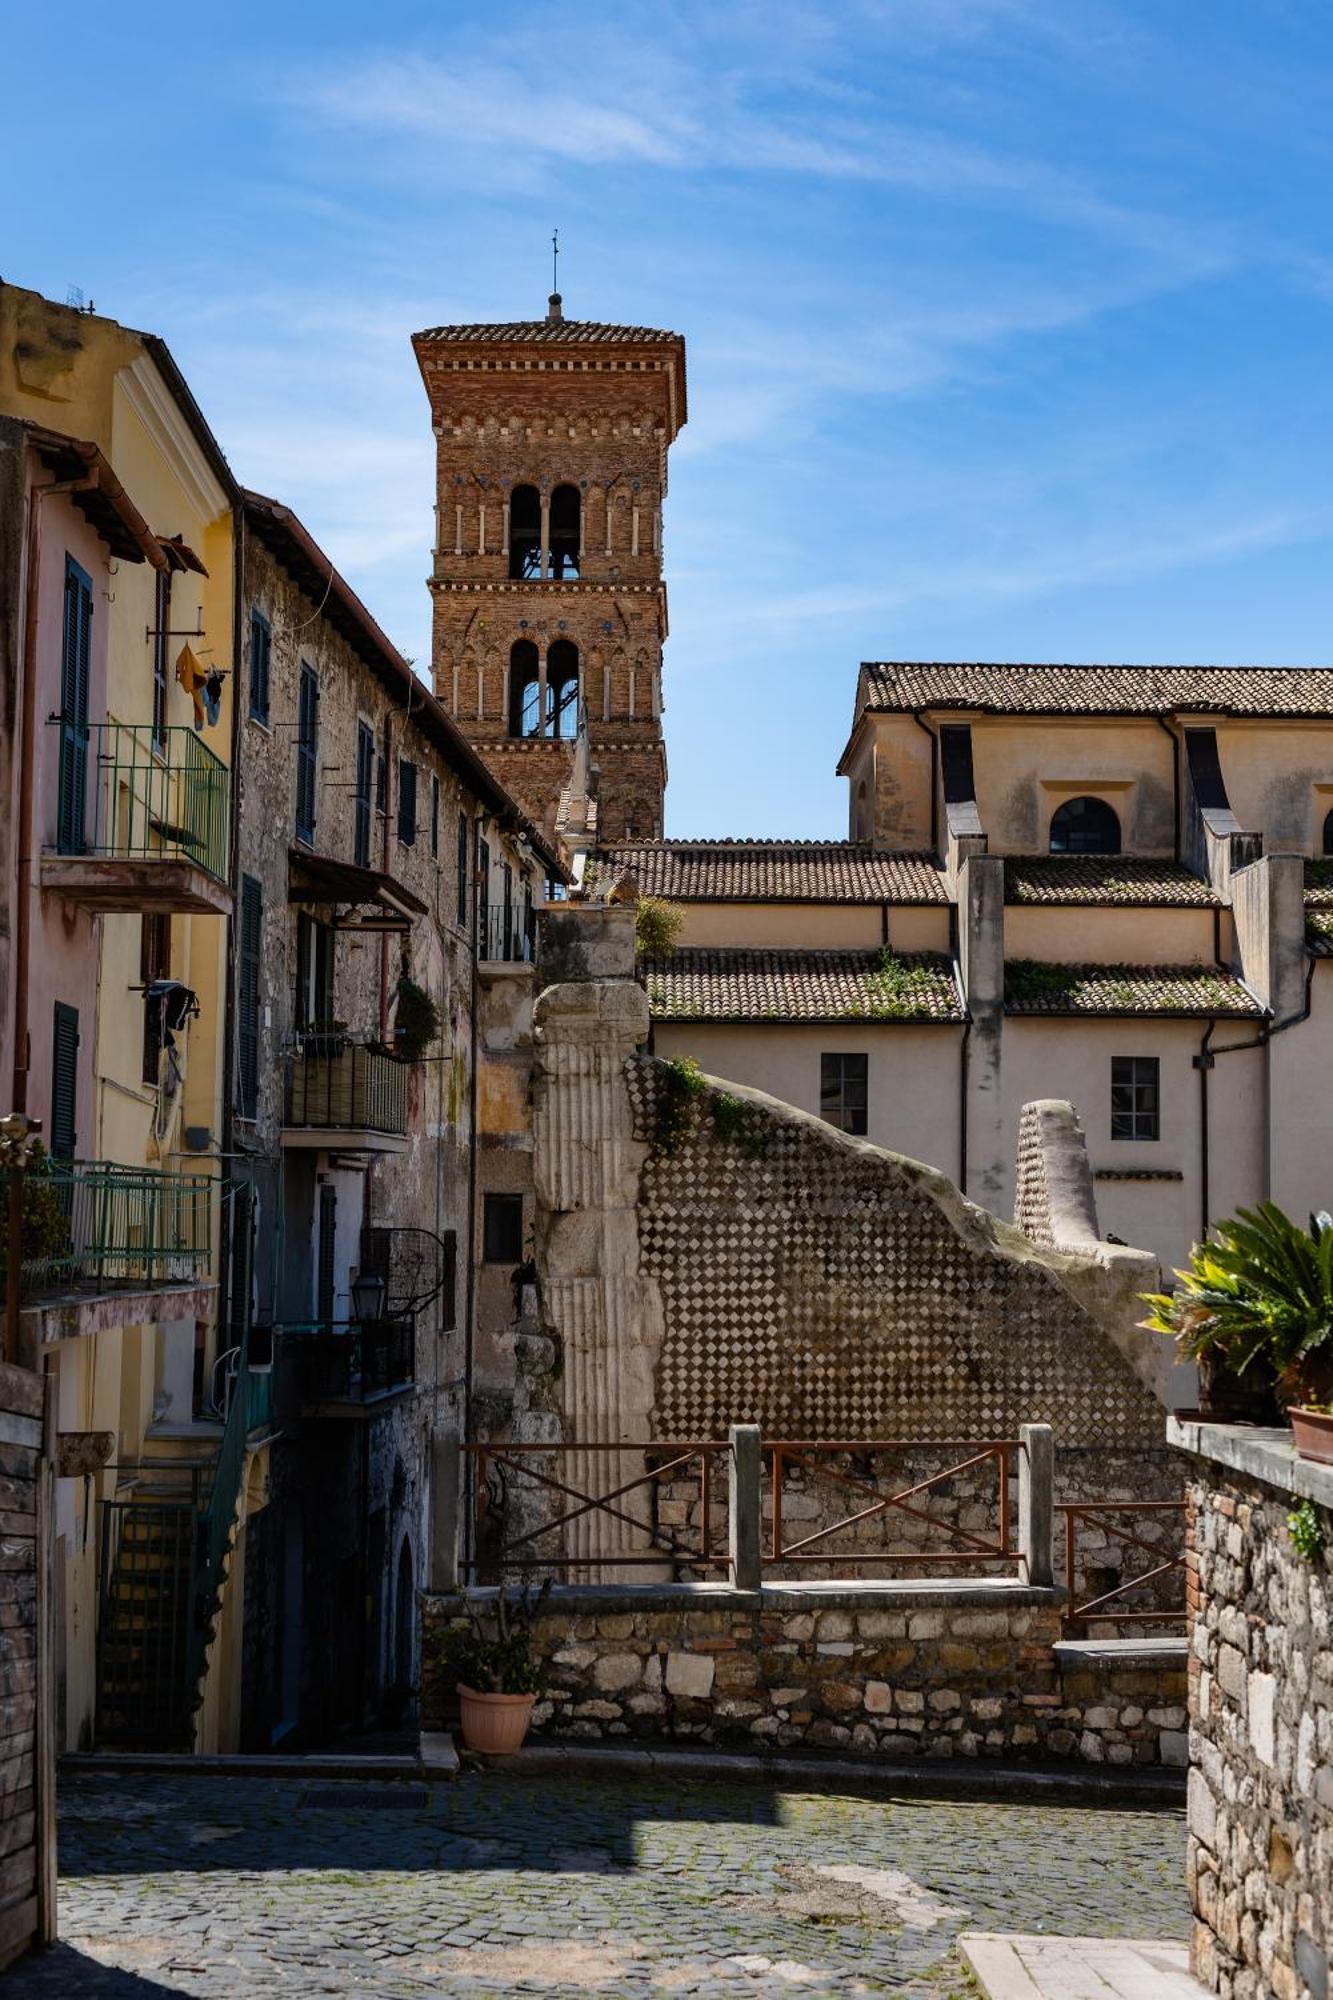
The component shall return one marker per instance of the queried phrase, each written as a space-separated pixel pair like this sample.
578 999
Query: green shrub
657 926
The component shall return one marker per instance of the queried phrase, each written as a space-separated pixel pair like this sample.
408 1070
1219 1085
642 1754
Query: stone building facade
378 860
549 599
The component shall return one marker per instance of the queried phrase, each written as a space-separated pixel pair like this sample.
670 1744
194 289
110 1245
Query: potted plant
1254 1307
416 1020
490 1663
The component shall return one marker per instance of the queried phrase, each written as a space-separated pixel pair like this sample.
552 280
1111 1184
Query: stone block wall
891 1671
1261 1714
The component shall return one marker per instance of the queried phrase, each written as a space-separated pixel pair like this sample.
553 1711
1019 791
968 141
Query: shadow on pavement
60 1969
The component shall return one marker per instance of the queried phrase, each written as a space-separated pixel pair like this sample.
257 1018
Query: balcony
344 1097
345 1369
507 937
93 1227
160 817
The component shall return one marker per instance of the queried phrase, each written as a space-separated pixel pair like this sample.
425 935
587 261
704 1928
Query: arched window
1085 826
562 690
565 531
1328 834
525 532
524 690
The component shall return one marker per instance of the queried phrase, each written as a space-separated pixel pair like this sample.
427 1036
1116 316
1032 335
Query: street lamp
368 1289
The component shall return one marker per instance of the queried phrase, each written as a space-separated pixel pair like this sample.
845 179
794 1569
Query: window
1328 834
326 1268
64 1081
565 538
562 690
407 802
483 896
502 1232
252 924
461 864
314 973
161 636
434 814
261 648
154 963
449 1281
1085 826
844 1092
507 947
365 779
525 713
1135 1097
307 753
72 792
525 533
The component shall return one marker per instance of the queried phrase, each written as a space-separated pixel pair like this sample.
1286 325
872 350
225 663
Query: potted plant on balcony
1254 1307
489 1661
416 1020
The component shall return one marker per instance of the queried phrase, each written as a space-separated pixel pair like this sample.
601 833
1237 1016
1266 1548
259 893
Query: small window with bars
1136 1099
407 802
844 1092
502 1229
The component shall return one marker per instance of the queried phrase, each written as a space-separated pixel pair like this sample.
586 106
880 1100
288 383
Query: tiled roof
777 871
581 332
1319 885
1011 689
759 986
1040 987
1319 930
1104 878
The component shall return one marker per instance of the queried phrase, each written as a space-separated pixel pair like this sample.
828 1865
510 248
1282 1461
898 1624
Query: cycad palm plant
1258 1297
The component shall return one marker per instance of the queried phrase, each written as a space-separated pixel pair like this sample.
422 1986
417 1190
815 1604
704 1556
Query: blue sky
1010 322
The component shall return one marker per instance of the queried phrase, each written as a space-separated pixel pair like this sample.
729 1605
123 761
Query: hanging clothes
212 698
193 679
178 1005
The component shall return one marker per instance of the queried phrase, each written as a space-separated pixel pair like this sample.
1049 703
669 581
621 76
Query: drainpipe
1203 1062
1175 782
226 1209
23 883
934 781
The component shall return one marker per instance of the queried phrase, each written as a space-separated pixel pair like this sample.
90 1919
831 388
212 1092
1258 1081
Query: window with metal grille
314 973
562 690
407 802
161 640
1136 1105
252 924
461 907
365 779
483 892
502 1232
154 963
325 1268
72 793
64 1081
307 753
261 647
844 1092
525 712
507 946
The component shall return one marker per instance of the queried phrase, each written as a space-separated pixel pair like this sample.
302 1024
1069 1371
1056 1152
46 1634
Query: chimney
555 311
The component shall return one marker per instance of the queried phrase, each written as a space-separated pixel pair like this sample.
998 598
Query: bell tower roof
563 343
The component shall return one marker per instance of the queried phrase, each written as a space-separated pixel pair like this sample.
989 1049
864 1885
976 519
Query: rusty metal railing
497 1468
812 1457
1110 1603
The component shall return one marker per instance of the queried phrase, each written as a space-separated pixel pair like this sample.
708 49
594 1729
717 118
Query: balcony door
72 792
365 779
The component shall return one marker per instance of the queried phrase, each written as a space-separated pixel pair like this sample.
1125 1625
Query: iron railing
507 937
934 1537
215 1528
345 1362
95 1224
1083 1516
158 797
346 1087
148 1557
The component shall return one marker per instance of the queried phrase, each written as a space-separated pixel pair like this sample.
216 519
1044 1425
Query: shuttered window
252 925
449 1286
261 647
307 753
365 778
407 802
161 641
73 779
434 814
64 1080
462 870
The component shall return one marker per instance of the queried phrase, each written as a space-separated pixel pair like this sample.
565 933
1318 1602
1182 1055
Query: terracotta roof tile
558 332
1013 689
699 985
1319 930
1039 987
777 871
1319 885
1109 879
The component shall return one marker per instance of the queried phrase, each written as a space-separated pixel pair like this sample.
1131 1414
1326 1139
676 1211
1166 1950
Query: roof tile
1034 986
558 332
777 871
700 985
899 686
1106 879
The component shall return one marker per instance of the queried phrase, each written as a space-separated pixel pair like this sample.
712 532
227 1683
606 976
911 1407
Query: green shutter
74 673
64 1080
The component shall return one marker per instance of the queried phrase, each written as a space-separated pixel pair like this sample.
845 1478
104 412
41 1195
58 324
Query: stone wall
1261 1714
27 1663
926 1670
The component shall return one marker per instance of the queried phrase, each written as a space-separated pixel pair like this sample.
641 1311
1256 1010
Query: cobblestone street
572 1884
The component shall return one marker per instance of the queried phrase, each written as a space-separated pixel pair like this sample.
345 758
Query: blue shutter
72 790
407 802
307 753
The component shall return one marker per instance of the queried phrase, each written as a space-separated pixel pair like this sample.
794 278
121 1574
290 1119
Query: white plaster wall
1109 936
1301 1085
795 926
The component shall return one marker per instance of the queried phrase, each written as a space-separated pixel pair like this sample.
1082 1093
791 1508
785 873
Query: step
1021 1967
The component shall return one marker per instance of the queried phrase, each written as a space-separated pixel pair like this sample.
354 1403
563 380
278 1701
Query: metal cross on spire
555 260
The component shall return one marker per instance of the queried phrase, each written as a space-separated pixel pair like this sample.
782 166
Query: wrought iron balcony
144 820
345 1366
507 936
348 1096
95 1225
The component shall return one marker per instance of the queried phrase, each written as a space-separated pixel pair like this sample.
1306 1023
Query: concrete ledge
1122 1653
1123 1784
316 1764
1268 1456
925 1594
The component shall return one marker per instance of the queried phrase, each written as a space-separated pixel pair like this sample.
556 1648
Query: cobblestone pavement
570 1885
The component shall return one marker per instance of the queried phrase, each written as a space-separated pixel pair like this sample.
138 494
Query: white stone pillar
546 534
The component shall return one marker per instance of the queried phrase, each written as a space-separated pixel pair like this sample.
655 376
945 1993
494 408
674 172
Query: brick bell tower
551 468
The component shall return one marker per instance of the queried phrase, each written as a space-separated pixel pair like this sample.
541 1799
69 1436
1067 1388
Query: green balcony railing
157 797
348 1088
94 1225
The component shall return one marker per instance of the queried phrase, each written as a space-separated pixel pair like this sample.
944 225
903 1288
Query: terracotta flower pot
494 1724
1312 1433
